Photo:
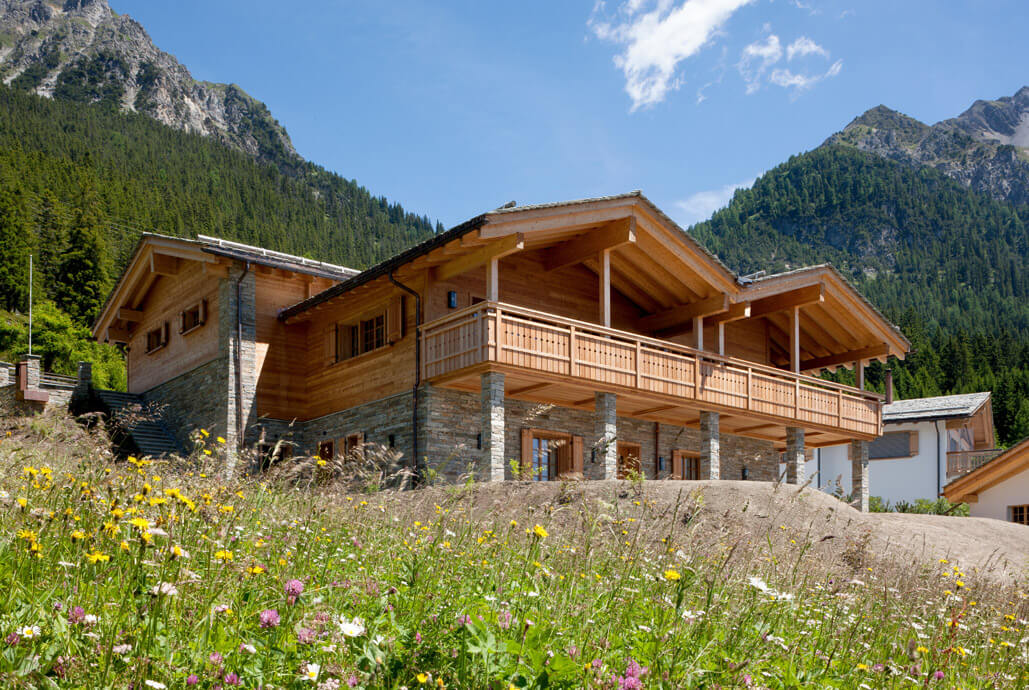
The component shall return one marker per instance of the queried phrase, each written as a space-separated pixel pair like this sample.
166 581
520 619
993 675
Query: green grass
427 589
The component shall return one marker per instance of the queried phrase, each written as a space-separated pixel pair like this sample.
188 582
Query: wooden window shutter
526 451
913 443
203 311
677 468
395 320
577 457
182 322
330 345
166 333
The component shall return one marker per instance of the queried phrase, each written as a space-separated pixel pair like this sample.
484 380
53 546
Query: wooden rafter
494 250
678 315
845 357
811 294
577 250
126 314
735 312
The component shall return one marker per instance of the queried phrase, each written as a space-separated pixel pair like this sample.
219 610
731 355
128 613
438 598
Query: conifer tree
84 274
15 247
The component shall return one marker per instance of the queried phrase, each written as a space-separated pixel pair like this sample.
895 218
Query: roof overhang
965 489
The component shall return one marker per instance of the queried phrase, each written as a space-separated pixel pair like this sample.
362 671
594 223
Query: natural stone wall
453 420
376 420
191 401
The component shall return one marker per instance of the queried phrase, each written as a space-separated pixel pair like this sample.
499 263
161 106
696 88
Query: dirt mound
761 516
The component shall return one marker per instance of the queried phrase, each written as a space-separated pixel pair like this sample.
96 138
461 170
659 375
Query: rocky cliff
81 50
985 148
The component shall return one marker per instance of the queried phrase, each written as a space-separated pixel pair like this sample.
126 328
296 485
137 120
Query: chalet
926 443
589 338
998 488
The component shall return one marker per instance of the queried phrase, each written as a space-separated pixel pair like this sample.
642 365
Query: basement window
193 318
893 445
1019 514
157 338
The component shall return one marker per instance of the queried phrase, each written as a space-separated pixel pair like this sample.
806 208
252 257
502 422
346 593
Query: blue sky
453 109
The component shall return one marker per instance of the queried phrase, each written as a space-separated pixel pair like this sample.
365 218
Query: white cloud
799 82
700 206
757 58
657 35
805 46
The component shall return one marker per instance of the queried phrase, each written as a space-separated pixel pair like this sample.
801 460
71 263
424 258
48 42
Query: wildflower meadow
140 574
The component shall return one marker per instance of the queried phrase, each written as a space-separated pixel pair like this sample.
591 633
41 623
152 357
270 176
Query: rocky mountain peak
81 50
985 148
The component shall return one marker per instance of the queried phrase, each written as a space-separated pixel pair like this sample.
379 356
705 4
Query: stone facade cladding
452 423
191 401
377 420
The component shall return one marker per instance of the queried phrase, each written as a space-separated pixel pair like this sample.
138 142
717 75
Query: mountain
985 148
930 222
82 51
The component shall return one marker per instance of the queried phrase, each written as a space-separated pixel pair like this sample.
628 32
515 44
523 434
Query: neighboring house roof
1009 463
260 255
940 407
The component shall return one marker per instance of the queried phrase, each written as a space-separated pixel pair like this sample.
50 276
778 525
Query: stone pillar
5 375
605 429
710 442
230 341
493 424
84 385
794 455
859 475
32 371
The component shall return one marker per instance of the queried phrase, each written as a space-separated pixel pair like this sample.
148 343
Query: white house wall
994 502
903 479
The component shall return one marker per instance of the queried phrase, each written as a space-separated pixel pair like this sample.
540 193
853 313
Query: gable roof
1009 463
940 407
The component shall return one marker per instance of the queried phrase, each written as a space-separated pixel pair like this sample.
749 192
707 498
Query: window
194 317
326 450
550 455
628 460
354 340
353 443
157 338
960 440
685 464
1019 514
896 444
373 333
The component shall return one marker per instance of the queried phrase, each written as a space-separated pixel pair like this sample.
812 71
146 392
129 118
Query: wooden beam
721 339
683 313
605 288
478 257
795 340
577 250
800 297
654 410
117 335
528 389
698 332
126 314
736 312
845 357
164 264
493 279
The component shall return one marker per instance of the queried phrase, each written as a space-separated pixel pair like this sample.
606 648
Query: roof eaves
971 478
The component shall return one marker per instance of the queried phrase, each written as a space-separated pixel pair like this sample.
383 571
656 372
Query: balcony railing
491 332
962 462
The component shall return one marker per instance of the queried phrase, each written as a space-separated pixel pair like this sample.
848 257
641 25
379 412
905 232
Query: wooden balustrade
962 462
536 341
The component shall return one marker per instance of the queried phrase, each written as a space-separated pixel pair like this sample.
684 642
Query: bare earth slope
755 514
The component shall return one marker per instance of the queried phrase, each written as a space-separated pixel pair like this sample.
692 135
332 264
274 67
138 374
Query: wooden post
605 288
698 329
750 395
795 340
493 280
859 370
639 348
721 338
500 336
571 351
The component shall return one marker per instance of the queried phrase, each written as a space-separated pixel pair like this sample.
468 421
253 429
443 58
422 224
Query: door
628 459
685 464
550 455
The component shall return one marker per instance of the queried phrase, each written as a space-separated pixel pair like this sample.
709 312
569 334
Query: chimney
889 386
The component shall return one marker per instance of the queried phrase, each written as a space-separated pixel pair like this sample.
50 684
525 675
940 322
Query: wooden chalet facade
580 339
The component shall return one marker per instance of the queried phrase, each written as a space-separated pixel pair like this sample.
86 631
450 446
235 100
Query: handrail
510 309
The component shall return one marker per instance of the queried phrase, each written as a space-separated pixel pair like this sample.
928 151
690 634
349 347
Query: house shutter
165 333
203 311
330 345
896 444
577 457
677 468
913 443
182 322
526 451
564 460
395 320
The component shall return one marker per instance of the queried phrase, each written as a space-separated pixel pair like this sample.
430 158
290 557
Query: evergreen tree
51 239
84 274
15 247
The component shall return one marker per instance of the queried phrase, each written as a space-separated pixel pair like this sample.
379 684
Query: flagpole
30 304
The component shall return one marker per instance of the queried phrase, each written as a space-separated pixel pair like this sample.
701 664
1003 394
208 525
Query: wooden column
795 340
859 372
605 288
493 280
721 339
698 331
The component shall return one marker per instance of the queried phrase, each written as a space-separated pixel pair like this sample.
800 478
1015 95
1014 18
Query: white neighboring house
998 489
926 442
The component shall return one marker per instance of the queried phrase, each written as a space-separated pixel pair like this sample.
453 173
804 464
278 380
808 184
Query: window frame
375 327
912 446
690 464
162 332
534 438
200 308
1023 510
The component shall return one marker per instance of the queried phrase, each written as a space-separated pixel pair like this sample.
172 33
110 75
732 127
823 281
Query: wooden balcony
538 347
962 462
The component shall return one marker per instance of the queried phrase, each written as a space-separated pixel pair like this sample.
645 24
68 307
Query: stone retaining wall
191 401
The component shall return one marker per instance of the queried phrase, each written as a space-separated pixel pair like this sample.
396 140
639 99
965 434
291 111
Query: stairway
149 436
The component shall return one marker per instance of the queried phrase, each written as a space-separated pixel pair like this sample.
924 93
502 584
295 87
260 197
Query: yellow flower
140 523
423 678
539 531
223 555
206 452
27 535
321 463
176 551
221 440
514 523
78 534
922 650
124 546
959 583
862 667
96 557
205 432
255 570
672 575
22 502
